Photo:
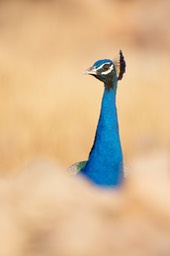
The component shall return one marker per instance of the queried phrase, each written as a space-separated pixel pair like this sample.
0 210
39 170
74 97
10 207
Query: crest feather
120 65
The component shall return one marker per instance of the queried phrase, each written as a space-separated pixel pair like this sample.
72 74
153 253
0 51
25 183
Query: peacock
104 166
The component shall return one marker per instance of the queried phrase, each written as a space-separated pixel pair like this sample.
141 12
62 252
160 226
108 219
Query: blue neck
105 164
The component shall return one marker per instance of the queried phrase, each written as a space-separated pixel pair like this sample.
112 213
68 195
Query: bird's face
104 70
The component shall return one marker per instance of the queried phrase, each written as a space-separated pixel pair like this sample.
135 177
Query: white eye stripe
103 65
107 71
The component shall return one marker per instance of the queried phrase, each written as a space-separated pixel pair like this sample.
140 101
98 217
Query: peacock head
108 71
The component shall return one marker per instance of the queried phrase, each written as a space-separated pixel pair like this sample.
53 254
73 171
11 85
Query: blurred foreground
45 212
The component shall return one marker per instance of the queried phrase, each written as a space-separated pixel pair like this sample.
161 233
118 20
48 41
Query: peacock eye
106 66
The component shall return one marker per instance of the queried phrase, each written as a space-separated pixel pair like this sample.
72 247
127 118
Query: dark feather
120 65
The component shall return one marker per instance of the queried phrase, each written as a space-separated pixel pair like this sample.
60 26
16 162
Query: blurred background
48 109
48 117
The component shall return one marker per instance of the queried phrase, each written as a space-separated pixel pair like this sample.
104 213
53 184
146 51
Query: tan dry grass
47 108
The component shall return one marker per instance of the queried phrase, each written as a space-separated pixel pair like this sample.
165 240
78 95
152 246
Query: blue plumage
98 63
104 166
105 162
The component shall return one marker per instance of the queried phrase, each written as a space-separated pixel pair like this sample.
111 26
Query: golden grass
47 108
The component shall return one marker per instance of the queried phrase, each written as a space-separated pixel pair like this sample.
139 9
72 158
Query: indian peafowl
104 166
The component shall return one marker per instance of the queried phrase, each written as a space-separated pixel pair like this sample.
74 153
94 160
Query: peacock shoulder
76 167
